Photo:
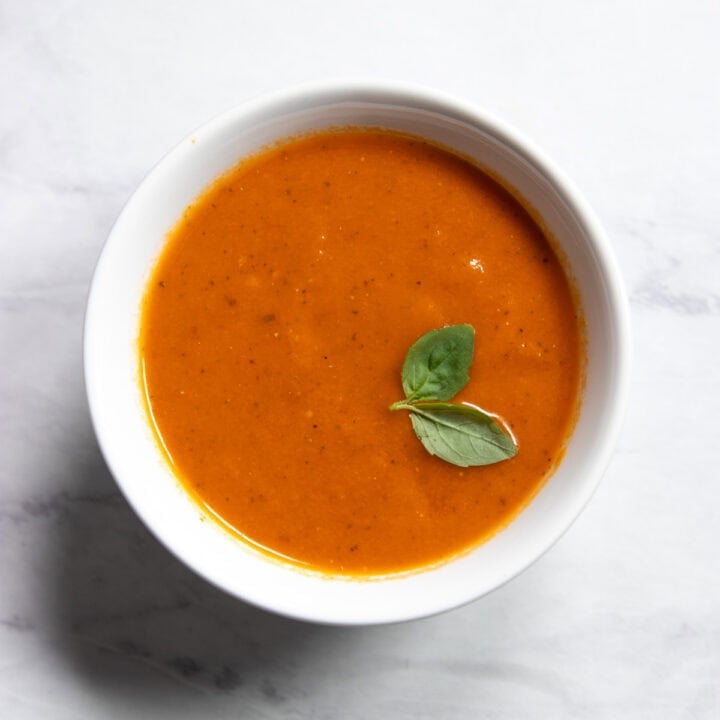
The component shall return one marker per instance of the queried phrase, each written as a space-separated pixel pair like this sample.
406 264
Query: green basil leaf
461 434
436 366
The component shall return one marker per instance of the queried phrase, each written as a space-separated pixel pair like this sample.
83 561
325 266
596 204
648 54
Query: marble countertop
621 619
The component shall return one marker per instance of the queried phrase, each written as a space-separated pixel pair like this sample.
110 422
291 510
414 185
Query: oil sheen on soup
275 326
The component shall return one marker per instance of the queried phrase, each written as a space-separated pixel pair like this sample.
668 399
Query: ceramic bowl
115 395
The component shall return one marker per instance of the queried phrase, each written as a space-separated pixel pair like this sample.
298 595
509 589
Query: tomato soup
274 329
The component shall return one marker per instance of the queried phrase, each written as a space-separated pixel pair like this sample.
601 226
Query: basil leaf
436 366
461 434
435 369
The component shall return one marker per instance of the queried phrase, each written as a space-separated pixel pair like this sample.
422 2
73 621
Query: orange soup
275 326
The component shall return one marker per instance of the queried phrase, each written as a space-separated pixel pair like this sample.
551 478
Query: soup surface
276 323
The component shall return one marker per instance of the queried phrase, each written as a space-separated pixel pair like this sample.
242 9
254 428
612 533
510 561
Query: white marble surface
620 620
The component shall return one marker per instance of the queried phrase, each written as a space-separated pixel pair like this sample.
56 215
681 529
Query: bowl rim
312 95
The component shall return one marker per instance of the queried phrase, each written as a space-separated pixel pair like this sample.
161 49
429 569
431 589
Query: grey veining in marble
620 620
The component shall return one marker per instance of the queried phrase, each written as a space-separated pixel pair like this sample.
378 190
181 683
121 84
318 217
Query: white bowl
111 355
